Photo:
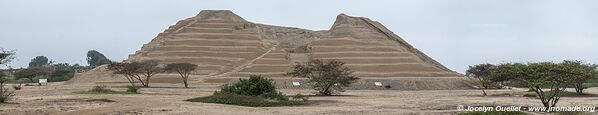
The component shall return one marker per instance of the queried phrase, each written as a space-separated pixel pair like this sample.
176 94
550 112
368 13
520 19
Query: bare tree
184 69
6 56
148 69
128 70
137 71
5 94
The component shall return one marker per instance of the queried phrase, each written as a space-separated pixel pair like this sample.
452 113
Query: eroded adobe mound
225 45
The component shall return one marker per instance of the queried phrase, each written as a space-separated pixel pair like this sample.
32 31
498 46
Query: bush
17 87
387 86
254 86
5 94
254 92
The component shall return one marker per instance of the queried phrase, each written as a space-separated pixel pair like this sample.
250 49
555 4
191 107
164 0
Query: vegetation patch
243 100
103 90
253 92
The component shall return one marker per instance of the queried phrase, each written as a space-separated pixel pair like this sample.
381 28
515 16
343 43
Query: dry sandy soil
168 99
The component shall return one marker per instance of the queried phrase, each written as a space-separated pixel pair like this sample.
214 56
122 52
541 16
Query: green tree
482 73
95 58
32 72
538 75
327 76
184 69
64 71
39 61
579 73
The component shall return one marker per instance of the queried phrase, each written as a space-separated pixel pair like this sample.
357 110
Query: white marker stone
296 83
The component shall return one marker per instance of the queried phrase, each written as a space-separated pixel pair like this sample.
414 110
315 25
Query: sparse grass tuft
132 89
530 94
242 100
103 90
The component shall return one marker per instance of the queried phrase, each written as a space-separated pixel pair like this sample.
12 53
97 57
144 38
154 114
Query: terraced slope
226 47
371 52
273 64
216 40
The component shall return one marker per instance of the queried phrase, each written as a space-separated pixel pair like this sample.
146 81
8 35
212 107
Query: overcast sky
457 33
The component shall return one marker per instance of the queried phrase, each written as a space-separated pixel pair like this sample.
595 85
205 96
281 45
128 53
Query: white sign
378 83
296 83
43 80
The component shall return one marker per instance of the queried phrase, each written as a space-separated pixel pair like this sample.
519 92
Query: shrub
387 86
254 86
5 94
17 87
254 92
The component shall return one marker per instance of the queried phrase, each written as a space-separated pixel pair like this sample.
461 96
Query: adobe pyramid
224 45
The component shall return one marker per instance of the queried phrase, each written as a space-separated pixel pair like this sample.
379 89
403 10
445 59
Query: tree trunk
484 92
139 79
484 86
186 85
147 82
131 80
326 91
579 88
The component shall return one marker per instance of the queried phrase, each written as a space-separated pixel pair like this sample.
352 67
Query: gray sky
457 33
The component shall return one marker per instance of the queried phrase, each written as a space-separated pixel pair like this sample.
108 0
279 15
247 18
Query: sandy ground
168 99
